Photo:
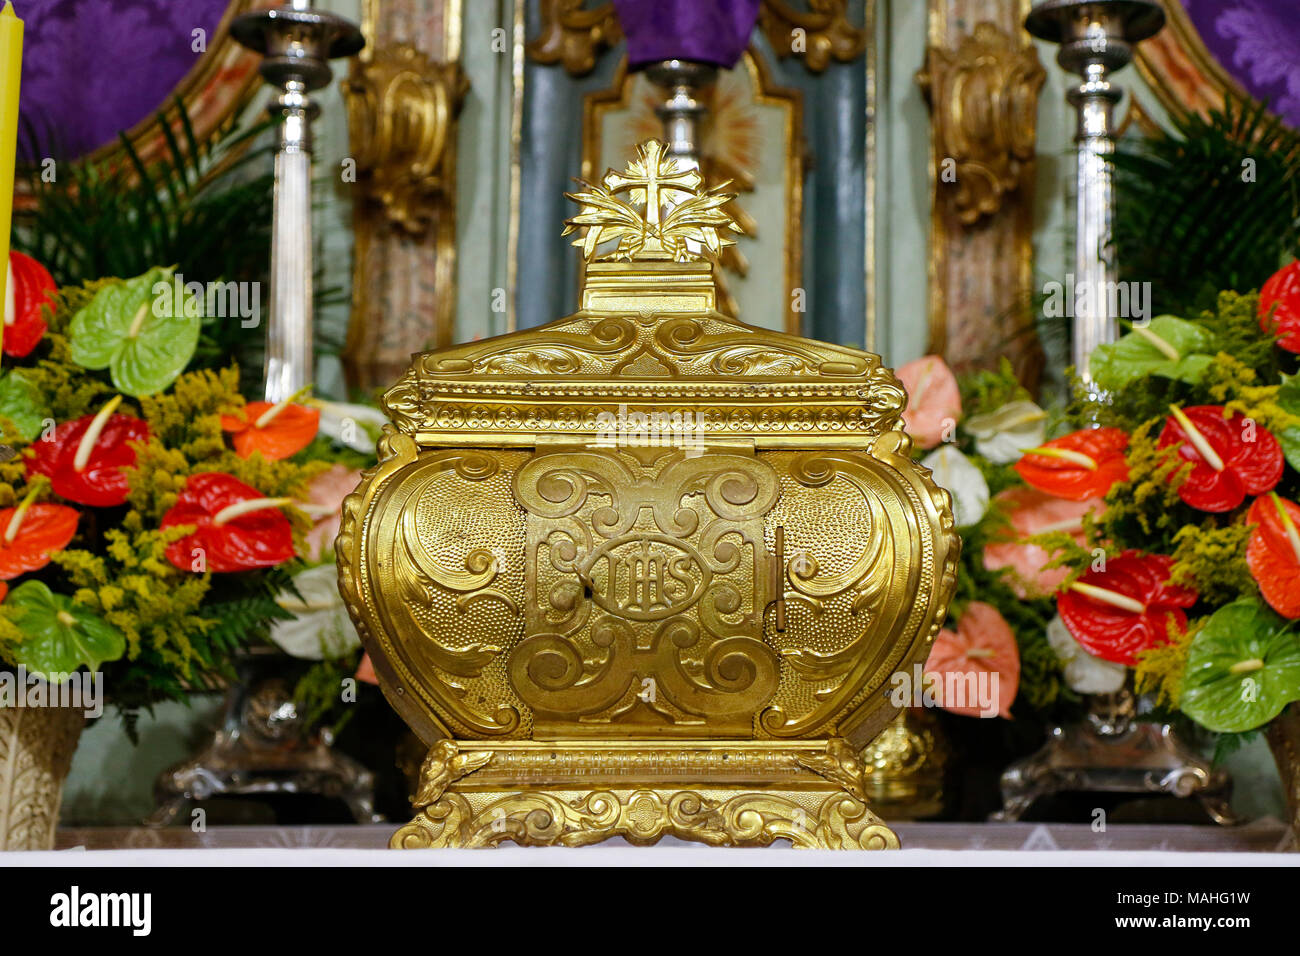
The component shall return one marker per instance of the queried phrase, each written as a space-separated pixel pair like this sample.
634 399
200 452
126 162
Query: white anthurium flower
1084 673
1001 436
957 473
320 627
356 426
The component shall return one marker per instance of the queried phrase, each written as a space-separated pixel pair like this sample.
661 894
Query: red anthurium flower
236 528
1231 457
29 288
1125 609
1279 306
277 431
1273 553
1081 465
86 460
31 533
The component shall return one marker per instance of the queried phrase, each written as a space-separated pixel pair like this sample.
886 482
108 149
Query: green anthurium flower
60 636
1243 668
1167 346
20 402
139 330
1288 396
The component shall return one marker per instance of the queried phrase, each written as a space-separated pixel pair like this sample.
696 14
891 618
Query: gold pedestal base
741 793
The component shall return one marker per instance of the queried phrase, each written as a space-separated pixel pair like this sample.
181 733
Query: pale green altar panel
515 270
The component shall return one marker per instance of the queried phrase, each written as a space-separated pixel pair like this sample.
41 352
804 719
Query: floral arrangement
1189 568
153 521
1155 539
970 433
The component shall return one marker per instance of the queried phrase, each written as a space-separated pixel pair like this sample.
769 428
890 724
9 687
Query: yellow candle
11 72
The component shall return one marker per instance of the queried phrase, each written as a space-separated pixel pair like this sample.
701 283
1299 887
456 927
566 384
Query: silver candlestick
262 746
684 82
1096 39
297 43
1113 750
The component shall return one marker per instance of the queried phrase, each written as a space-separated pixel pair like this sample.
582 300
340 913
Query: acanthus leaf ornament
402 110
574 35
820 34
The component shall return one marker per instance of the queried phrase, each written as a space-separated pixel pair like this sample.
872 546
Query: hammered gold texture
646 570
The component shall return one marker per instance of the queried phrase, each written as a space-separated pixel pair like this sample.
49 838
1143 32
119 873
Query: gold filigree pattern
826 811
646 586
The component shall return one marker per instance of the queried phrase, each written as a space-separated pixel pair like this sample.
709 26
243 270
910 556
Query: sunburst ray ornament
665 215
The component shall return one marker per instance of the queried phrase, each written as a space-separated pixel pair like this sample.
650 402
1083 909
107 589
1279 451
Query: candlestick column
1096 39
297 43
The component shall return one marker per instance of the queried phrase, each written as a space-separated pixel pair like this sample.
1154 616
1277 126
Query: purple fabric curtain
1258 42
710 31
94 67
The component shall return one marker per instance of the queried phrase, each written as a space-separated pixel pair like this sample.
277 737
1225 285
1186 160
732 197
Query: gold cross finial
652 171
650 232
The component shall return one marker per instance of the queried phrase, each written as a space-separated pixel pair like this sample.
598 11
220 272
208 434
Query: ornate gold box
646 570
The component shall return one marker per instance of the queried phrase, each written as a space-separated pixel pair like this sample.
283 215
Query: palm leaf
1192 221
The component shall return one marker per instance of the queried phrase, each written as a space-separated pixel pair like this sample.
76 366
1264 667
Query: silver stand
262 747
1112 750
684 82
297 43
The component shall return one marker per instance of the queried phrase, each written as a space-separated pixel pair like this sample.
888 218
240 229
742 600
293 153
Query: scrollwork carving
818 35
644 817
677 604
984 98
574 35
401 111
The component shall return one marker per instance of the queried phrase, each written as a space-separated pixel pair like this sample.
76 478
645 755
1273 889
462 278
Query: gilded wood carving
983 96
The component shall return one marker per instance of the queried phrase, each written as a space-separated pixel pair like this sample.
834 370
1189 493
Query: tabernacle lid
648 348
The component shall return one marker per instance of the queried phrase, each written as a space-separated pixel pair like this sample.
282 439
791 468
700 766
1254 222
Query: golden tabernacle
646 570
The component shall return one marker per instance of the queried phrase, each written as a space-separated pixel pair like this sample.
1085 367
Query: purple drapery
709 31
94 67
1258 42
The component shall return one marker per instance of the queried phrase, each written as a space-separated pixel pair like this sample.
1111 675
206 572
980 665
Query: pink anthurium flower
1033 512
981 658
933 400
324 504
